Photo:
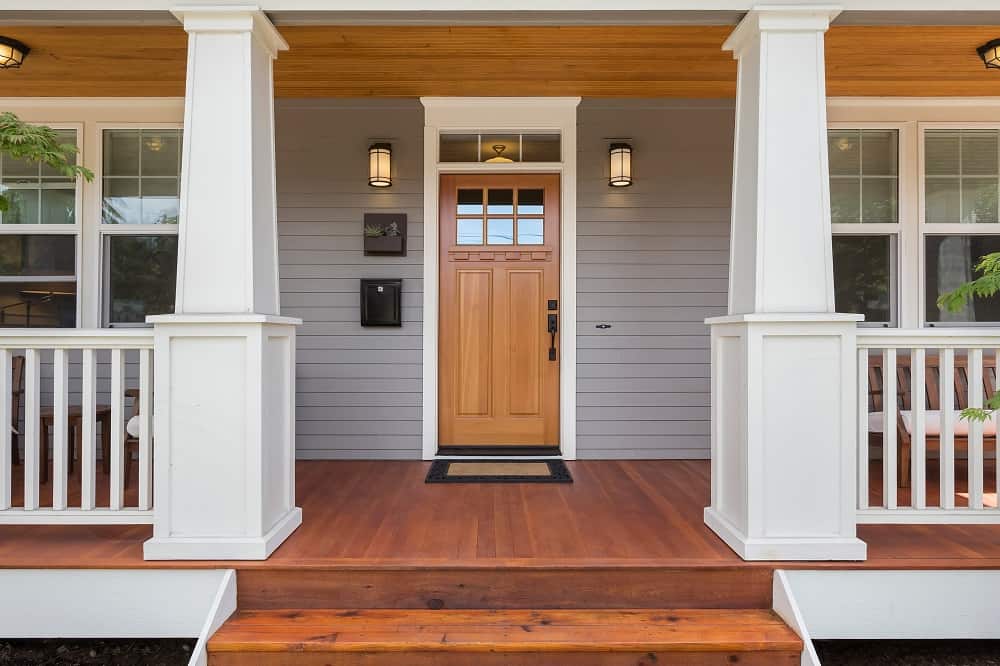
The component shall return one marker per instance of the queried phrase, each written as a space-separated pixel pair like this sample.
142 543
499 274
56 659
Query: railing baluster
6 429
889 412
918 448
60 420
863 428
145 429
117 424
975 375
88 431
946 381
32 445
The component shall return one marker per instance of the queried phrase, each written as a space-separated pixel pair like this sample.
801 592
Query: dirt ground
96 652
908 653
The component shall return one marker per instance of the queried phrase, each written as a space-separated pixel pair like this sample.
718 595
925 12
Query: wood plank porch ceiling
590 61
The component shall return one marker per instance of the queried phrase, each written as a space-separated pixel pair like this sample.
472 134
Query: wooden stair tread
388 630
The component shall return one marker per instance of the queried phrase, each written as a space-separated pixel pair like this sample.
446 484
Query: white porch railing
96 364
912 385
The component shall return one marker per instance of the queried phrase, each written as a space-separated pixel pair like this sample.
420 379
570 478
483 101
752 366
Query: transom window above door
500 148
504 216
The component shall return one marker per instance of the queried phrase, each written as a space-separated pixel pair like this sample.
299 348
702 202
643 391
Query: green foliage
374 231
40 144
984 286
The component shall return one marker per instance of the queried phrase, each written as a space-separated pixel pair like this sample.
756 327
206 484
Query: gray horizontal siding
653 263
358 391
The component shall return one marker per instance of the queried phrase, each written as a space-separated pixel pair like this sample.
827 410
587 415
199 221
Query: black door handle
553 329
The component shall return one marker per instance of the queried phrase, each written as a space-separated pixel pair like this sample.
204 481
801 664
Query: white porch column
783 362
225 362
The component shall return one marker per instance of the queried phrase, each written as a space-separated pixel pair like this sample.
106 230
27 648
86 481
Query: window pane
500 231
38 304
844 147
58 206
500 202
22 207
142 277
941 153
878 200
979 152
470 202
943 202
530 202
121 201
121 152
161 153
950 262
160 201
863 176
38 194
142 169
500 148
879 152
540 148
863 283
459 148
979 200
19 170
64 137
530 231
844 200
971 161
470 232
37 255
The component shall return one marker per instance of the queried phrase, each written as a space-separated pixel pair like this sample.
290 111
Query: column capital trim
231 18
780 18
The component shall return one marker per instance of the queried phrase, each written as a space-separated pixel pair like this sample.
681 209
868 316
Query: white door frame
498 114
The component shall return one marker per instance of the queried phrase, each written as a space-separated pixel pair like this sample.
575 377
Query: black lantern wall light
990 53
12 53
620 168
380 164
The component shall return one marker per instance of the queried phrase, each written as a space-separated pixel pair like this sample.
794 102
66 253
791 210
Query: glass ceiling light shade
990 53
12 53
499 158
621 165
379 164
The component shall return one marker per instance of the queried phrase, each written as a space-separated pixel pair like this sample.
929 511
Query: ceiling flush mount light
12 53
379 163
990 53
499 158
621 165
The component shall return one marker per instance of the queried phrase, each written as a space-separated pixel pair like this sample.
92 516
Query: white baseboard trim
785 548
223 548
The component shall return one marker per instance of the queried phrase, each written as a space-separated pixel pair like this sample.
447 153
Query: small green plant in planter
38 144
374 231
984 286
392 230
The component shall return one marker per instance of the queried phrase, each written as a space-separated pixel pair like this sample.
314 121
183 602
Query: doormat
498 471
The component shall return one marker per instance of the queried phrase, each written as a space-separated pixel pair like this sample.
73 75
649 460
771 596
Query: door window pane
530 202
38 287
470 202
864 180
501 202
530 231
500 231
950 261
141 176
961 176
470 231
38 194
863 277
142 277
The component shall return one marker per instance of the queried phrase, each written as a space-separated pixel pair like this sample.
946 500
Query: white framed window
140 204
40 237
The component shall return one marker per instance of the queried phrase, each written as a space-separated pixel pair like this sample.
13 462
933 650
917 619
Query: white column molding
783 362
224 413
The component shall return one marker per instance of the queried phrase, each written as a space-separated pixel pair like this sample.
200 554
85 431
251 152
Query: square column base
223 548
784 449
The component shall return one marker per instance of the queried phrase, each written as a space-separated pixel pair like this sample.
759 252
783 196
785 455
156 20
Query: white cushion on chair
132 427
932 422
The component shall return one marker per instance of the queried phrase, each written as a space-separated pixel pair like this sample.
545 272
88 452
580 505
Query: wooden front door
498 360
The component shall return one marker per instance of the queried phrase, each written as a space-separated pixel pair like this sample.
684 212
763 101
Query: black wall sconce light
620 155
12 53
380 165
990 53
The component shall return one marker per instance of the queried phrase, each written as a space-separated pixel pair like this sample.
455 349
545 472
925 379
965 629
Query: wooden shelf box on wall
385 234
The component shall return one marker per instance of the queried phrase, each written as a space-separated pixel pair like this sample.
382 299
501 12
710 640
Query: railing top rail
76 338
930 338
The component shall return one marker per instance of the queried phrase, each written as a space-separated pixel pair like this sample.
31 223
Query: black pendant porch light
990 53
12 53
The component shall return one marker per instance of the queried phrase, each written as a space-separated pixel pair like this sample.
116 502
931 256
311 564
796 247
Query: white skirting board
882 605
117 603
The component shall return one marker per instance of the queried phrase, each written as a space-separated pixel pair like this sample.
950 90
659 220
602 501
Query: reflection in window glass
530 231
141 176
470 231
459 148
500 148
38 194
864 180
961 176
500 202
500 231
863 282
540 148
142 277
530 202
470 202
37 255
949 262
38 304
46 297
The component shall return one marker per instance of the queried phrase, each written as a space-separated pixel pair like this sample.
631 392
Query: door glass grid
500 216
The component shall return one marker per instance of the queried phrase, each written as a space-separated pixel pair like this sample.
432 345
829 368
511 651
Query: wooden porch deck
616 514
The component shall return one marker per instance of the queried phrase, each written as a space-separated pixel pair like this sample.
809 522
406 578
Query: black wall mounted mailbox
385 234
381 302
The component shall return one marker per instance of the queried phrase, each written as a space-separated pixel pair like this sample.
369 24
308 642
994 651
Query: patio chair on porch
16 396
932 420
131 433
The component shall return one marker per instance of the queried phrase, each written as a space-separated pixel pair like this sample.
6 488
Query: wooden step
695 637
560 585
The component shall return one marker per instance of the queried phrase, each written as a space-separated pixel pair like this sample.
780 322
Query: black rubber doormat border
498 471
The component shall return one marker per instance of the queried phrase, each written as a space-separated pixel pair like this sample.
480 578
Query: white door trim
522 114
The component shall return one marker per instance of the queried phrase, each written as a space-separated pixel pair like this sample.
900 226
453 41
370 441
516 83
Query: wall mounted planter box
385 245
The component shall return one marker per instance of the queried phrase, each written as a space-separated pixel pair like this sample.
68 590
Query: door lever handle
553 329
